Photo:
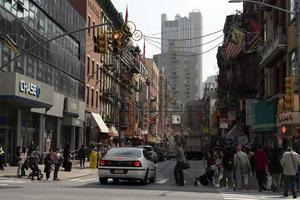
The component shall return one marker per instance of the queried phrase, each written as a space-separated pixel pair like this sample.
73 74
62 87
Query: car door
150 163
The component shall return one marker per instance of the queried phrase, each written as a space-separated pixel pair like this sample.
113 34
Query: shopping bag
186 165
269 182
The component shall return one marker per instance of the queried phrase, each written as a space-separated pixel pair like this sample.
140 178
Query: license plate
119 171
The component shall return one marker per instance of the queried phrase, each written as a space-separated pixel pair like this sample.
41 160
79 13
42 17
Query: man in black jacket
228 165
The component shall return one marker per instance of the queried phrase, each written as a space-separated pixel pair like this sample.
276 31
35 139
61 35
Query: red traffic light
116 36
283 129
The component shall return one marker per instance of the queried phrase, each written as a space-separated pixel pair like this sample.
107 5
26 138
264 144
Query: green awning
264 117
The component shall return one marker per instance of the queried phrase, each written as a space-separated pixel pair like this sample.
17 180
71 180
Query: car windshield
124 152
148 148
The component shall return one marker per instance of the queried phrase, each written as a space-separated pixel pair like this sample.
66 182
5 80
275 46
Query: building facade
44 103
180 73
153 94
187 31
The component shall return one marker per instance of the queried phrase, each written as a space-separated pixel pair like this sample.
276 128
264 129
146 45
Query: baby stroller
205 179
35 171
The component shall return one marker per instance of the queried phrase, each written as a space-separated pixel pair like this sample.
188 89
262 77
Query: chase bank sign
30 88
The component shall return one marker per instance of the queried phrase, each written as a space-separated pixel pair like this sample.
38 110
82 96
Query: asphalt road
88 188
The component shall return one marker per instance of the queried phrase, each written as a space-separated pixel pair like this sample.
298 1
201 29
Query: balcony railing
274 47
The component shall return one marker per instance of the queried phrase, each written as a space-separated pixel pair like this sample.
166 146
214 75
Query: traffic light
101 43
289 93
116 42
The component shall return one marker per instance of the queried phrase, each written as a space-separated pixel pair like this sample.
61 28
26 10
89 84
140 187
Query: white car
127 163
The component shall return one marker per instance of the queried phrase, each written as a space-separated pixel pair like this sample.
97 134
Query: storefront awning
234 132
100 122
113 131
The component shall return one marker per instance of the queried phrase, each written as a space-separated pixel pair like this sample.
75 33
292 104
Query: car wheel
103 180
146 179
153 178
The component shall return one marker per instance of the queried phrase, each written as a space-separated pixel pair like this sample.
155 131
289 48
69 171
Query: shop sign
175 119
30 88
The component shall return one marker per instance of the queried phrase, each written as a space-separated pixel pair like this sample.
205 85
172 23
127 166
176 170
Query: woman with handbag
180 165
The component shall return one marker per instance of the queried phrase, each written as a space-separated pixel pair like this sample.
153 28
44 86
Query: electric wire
188 46
194 38
204 52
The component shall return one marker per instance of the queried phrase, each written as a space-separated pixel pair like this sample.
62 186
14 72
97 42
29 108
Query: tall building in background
187 32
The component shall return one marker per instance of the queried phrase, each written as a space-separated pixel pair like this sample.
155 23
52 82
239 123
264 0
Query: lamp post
296 12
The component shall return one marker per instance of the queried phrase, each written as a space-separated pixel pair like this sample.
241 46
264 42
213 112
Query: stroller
35 171
210 177
205 179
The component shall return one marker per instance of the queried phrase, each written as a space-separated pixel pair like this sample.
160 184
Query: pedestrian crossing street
239 196
159 181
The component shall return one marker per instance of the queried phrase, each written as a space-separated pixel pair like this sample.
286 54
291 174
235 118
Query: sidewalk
76 172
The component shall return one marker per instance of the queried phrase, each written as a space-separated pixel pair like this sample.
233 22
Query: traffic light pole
59 36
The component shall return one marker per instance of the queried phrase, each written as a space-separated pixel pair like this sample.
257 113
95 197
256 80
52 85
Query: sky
146 14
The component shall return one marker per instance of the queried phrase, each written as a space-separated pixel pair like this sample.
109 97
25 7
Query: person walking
23 161
2 156
178 169
228 165
241 169
82 156
261 167
57 160
289 162
19 160
93 158
275 168
48 162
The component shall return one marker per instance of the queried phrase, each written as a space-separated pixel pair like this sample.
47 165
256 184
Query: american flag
235 43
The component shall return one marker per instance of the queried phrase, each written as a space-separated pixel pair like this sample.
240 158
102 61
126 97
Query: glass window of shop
37 20
50 66
30 128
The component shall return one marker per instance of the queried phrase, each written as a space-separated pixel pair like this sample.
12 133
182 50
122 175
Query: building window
87 95
293 63
97 71
89 24
88 65
92 96
292 9
93 68
94 29
97 99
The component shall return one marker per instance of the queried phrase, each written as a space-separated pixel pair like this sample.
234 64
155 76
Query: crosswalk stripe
74 179
238 198
11 181
162 181
1 184
86 180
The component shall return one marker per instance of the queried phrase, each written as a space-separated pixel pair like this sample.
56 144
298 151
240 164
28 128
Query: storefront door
7 143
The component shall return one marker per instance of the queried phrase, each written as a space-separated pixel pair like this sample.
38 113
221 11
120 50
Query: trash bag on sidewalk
269 182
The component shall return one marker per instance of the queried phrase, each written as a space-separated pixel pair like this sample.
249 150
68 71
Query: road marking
11 181
3 184
74 179
161 180
86 180
233 196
